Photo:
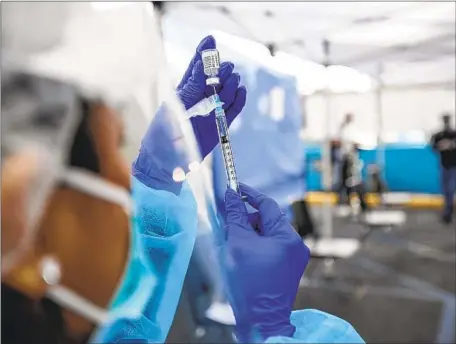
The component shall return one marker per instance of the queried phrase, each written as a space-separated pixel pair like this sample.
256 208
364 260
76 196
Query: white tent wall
403 110
416 109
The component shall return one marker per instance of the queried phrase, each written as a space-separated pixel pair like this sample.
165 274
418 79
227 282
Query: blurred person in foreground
95 251
444 142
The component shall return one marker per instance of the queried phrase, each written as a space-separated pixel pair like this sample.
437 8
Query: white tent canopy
415 42
410 45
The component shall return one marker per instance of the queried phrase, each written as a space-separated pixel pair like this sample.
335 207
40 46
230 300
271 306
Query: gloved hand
264 259
193 89
158 157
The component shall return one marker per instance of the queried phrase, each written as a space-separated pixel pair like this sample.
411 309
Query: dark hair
28 321
83 152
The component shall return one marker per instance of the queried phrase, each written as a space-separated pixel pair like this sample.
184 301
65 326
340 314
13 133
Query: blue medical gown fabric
163 235
314 326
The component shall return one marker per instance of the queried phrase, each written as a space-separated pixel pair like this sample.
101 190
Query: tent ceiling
361 34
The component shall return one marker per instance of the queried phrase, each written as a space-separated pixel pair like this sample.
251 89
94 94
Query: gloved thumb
193 90
236 212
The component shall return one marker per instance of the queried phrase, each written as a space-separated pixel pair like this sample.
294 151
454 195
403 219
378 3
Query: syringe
211 63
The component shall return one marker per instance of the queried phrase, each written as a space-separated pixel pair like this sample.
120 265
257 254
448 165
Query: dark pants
342 168
302 219
361 192
359 189
448 189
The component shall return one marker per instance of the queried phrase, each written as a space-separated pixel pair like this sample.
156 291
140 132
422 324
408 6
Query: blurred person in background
346 133
444 142
97 252
346 140
336 160
352 176
376 183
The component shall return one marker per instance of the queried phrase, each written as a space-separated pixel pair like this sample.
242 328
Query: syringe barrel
211 63
227 153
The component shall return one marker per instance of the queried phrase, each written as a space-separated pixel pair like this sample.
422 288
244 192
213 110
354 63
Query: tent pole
327 223
380 156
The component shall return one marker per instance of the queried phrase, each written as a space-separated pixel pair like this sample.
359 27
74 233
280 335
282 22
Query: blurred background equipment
390 67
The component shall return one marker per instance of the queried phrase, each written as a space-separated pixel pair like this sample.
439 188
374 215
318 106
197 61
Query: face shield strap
92 185
68 299
95 186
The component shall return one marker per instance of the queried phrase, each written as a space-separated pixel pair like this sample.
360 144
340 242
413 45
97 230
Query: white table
385 218
338 248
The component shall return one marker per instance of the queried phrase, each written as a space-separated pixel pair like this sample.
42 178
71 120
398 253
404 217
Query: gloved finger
229 90
237 106
235 210
254 220
269 210
206 43
193 90
225 71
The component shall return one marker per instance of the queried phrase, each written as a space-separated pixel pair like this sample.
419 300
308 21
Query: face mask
164 229
137 276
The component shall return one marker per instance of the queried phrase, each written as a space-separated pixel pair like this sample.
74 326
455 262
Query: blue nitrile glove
159 155
192 89
264 259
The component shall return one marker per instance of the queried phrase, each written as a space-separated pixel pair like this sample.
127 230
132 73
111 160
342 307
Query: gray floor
399 288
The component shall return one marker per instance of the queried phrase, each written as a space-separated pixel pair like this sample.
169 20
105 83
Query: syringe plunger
211 63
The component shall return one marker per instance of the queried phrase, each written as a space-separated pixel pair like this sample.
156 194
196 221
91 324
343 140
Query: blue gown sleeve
314 326
166 221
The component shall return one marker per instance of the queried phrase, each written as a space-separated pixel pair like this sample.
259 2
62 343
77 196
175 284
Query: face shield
114 56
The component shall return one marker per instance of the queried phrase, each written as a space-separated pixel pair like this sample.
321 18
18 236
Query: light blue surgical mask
163 230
